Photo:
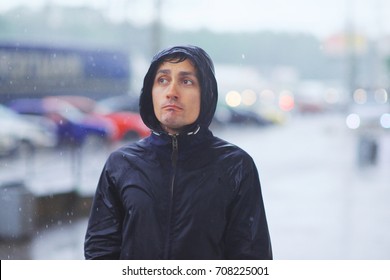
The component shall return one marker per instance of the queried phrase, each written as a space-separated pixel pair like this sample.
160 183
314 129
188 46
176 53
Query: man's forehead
186 65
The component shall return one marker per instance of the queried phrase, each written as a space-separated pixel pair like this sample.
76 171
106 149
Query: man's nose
172 92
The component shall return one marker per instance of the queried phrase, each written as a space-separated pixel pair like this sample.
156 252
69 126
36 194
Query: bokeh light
249 97
353 121
385 120
360 96
381 96
233 98
286 100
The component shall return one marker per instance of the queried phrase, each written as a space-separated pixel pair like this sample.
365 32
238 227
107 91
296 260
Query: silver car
17 132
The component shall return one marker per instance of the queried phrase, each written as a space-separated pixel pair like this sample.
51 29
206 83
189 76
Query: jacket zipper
174 157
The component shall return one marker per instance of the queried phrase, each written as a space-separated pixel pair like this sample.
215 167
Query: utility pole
351 48
156 27
381 67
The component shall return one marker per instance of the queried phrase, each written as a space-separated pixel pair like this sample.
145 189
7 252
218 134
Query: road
320 203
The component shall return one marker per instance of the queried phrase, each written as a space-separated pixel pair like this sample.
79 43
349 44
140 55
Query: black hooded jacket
186 196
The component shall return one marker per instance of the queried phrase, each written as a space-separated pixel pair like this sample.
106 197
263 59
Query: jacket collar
193 131
189 140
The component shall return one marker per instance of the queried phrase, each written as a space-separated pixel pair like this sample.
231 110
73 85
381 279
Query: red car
129 125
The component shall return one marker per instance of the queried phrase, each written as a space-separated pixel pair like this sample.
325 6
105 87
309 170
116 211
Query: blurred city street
321 204
303 87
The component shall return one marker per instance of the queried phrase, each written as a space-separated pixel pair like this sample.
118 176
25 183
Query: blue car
73 126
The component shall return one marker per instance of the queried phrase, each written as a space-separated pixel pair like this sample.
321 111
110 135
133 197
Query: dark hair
205 74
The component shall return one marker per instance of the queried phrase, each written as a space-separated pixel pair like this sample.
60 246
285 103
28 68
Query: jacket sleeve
247 235
103 237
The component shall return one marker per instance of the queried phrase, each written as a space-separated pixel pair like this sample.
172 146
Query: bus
28 71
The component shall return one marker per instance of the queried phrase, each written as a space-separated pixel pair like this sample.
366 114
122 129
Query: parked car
229 115
73 126
17 133
128 124
120 103
8 142
369 117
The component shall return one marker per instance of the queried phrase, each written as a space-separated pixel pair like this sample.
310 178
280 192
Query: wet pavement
320 203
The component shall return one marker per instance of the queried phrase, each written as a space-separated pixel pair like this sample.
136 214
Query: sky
319 17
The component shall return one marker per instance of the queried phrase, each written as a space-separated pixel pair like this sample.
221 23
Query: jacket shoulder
127 152
225 147
231 153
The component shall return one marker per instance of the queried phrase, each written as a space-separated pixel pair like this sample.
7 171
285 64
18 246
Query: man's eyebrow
164 71
181 73
187 73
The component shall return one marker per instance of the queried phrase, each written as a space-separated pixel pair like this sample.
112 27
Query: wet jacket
186 196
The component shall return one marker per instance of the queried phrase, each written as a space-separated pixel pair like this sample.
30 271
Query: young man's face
176 95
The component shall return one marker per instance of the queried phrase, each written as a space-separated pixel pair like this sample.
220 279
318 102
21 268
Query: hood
206 76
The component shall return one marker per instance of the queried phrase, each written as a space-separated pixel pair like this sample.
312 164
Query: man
181 193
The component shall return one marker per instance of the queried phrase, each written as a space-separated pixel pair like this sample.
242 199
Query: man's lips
172 107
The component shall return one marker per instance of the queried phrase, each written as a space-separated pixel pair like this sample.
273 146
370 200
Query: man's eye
162 80
188 82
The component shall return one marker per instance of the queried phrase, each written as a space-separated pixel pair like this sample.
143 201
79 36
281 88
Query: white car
369 117
8 143
369 111
17 132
